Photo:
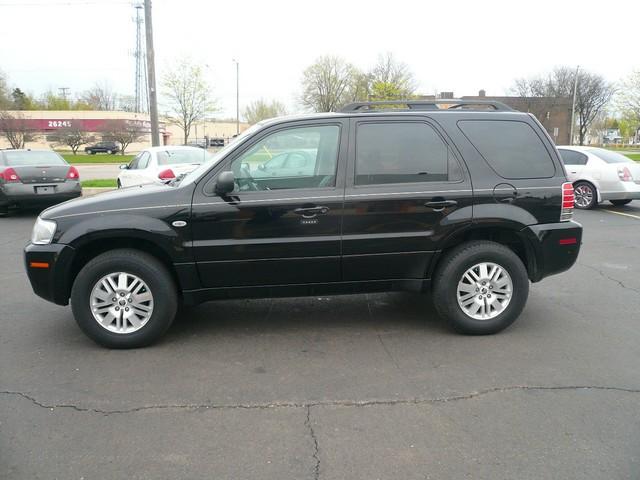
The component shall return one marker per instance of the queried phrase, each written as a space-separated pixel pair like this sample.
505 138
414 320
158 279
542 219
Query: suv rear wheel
480 287
124 299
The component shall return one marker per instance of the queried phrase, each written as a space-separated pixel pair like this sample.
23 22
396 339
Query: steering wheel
246 182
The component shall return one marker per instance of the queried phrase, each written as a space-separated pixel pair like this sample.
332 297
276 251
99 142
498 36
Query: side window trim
453 153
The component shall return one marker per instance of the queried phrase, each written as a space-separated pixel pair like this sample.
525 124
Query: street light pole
573 105
151 76
237 96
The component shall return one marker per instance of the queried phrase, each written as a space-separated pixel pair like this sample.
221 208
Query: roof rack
421 105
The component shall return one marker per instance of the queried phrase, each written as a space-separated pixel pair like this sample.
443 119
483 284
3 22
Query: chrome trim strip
121 210
242 202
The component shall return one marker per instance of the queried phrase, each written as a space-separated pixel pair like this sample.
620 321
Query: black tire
594 195
4 211
118 183
450 271
619 203
148 269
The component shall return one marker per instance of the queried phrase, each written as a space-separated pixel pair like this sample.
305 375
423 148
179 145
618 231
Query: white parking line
622 213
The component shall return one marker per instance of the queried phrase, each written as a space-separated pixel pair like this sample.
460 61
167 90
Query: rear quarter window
511 148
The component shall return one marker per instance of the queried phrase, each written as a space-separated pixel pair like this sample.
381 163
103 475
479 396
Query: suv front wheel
480 287
124 299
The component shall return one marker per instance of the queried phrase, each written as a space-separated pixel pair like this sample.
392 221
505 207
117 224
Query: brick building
553 112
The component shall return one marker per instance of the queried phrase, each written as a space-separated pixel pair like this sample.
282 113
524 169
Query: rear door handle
310 212
440 205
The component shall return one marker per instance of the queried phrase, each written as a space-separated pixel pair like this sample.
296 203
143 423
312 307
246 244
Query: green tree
261 110
5 100
187 95
391 79
22 101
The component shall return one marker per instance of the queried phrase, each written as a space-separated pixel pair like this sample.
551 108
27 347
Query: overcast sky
456 45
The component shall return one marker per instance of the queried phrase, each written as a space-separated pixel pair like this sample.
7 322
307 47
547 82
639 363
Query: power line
63 3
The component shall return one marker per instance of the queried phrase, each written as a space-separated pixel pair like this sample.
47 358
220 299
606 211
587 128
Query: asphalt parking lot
354 387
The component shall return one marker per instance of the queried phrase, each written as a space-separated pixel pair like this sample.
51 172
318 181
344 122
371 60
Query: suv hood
126 199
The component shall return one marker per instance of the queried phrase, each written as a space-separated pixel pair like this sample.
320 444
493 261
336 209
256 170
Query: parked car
158 165
288 164
35 177
598 174
216 142
102 147
463 202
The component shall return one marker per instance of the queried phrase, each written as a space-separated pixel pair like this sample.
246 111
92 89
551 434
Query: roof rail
447 104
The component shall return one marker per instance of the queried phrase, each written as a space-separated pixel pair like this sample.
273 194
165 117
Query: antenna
141 88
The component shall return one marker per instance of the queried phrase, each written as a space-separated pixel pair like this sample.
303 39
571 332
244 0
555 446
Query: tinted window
609 156
34 157
511 148
143 161
402 152
260 167
571 157
134 163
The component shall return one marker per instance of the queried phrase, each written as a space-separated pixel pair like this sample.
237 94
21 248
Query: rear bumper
629 191
555 247
50 283
25 194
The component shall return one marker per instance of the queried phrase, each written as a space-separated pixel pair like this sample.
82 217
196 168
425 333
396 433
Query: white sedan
598 174
158 165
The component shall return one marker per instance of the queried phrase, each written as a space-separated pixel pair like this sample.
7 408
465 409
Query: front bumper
554 248
50 282
25 194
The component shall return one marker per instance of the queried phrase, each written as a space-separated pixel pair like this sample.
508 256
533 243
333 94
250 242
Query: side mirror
225 183
124 166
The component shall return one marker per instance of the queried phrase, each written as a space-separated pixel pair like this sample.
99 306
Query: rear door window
571 157
402 152
512 148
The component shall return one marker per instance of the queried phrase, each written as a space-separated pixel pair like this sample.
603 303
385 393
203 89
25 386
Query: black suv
465 199
103 147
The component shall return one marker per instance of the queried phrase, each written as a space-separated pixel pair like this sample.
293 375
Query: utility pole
151 69
573 105
237 96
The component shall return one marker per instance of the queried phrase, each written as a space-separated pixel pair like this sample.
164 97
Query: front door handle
310 212
440 205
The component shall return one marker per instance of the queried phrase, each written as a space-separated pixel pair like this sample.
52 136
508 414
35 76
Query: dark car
102 147
216 142
34 178
451 198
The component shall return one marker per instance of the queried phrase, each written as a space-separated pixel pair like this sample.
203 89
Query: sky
458 45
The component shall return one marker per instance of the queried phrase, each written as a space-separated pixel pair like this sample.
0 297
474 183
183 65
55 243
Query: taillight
10 176
73 174
566 213
625 175
166 174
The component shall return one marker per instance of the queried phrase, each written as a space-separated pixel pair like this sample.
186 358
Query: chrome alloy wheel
121 303
484 291
583 195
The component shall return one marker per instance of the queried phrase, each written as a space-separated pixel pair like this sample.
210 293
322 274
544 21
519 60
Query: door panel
392 230
272 237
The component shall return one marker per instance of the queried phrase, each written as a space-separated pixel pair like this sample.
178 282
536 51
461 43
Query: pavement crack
322 403
602 274
312 433
388 352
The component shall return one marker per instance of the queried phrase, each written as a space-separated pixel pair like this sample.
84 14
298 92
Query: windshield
195 174
173 157
32 158
609 156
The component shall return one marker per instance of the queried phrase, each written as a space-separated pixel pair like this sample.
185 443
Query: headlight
43 232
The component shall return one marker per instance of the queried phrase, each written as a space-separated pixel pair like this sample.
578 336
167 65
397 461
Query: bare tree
15 128
391 79
261 110
628 98
5 99
125 132
73 137
327 83
188 95
593 93
100 97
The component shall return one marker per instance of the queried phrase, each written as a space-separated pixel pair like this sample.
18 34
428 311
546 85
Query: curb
90 191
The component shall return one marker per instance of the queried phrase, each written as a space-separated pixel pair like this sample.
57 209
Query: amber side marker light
39 264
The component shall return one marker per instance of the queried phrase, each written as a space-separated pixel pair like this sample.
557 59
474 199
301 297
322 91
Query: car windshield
609 156
34 158
172 157
195 174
